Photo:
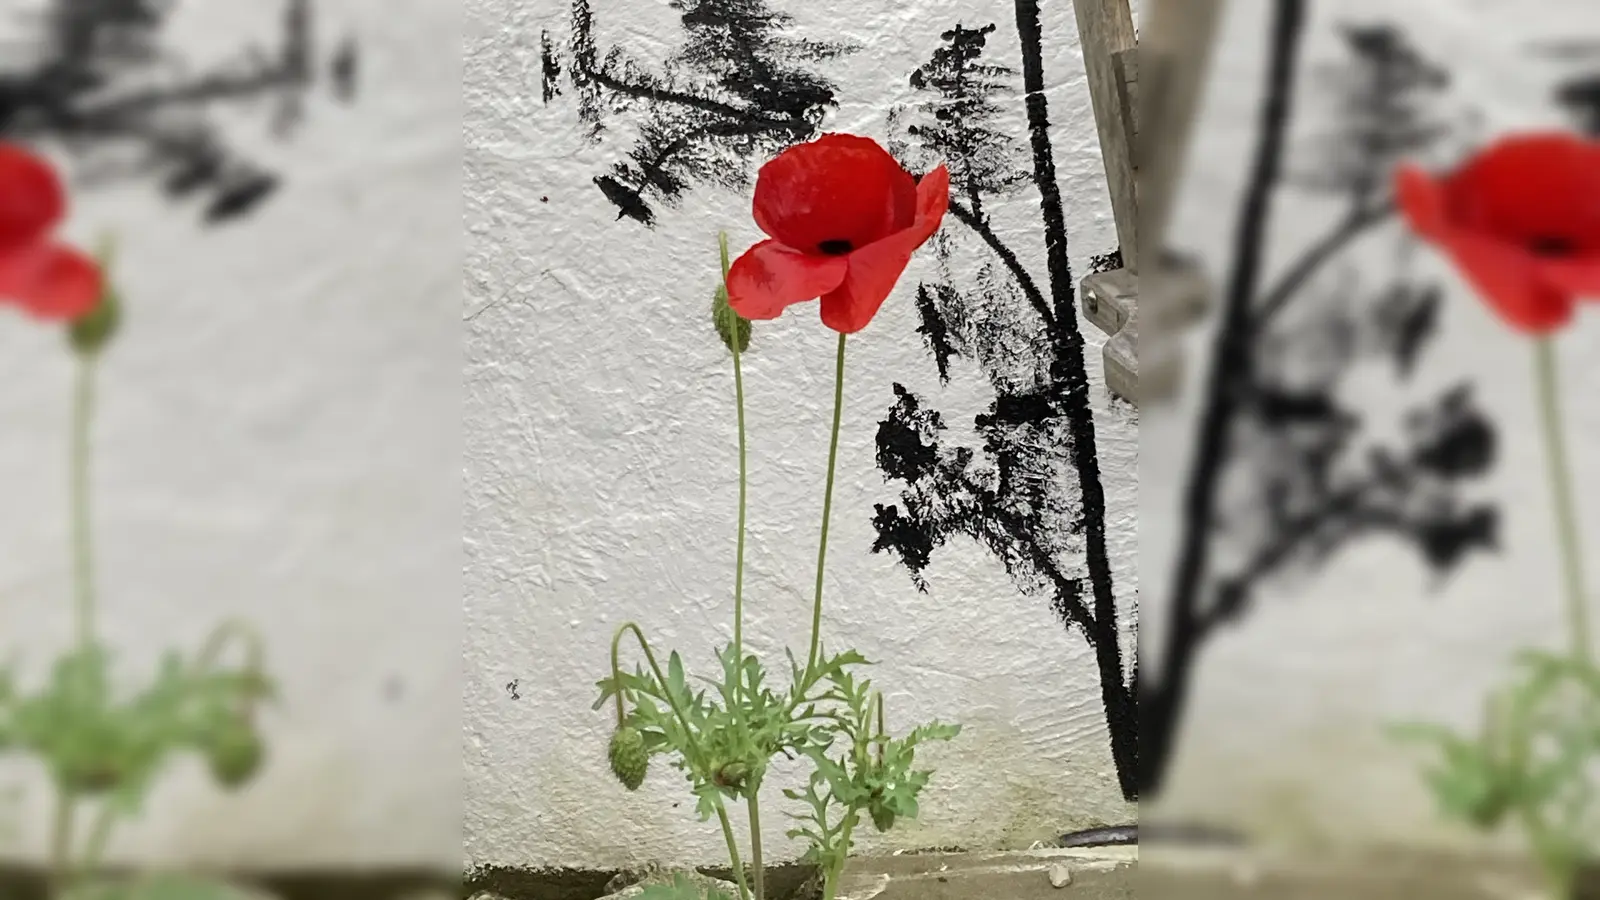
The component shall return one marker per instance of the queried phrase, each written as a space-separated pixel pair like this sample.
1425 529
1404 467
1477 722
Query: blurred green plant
102 744
1534 759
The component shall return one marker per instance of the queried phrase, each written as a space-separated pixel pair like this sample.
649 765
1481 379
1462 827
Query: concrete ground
1080 874
1159 873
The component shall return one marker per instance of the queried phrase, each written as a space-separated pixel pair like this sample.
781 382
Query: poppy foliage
842 218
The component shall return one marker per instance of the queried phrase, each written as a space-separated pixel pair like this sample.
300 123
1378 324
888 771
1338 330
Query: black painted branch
1233 592
1357 223
693 101
684 141
208 89
1030 289
1231 367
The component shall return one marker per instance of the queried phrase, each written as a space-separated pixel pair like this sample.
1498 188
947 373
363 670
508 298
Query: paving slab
1106 873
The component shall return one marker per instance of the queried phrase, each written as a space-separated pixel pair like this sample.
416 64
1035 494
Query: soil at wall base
788 882
28 883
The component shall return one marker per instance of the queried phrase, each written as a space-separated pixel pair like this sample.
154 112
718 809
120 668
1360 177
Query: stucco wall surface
1284 731
601 466
277 439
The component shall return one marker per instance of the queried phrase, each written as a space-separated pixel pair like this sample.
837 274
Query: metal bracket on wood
1111 301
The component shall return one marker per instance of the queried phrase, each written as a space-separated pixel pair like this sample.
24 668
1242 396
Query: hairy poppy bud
234 754
882 816
90 332
730 325
732 775
629 761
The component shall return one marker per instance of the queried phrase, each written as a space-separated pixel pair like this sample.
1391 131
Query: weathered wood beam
1176 44
1105 29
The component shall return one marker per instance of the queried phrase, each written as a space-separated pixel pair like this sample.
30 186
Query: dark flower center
835 247
1549 245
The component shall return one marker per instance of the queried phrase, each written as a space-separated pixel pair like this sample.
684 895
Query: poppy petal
769 276
875 268
1510 280
933 199
1421 198
32 200
1580 277
1531 187
50 281
839 188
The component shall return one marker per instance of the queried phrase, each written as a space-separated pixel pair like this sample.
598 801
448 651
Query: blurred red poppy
843 218
47 279
1521 220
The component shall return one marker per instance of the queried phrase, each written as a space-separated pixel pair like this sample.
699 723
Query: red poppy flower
1521 220
843 218
48 280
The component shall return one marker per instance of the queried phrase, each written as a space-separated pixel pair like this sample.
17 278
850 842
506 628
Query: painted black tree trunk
1271 419
1068 370
100 85
1032 350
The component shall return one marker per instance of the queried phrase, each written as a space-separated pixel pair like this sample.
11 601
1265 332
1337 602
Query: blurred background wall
1341 596
277 434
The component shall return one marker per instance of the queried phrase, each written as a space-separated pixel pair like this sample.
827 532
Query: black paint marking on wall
736 88
1578 93
1580 96
102 87
549 68
1281 477
1032 493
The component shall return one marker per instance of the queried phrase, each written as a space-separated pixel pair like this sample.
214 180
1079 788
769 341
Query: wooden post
1105 31
1177 41
1111 299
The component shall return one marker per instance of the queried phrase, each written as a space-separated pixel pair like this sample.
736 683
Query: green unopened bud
629 760
733 328
235 754
882 816
89 333
731 775
730 325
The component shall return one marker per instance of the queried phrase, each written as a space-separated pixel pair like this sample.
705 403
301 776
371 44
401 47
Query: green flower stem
99 835
759 875
61 871
827 502
1561 488
83 590
650 657
883 734
738 564
238 630
1558 868
830 877
82 558
733 851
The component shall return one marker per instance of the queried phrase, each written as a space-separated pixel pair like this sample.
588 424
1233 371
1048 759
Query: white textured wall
601 468
1283 731
278 441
